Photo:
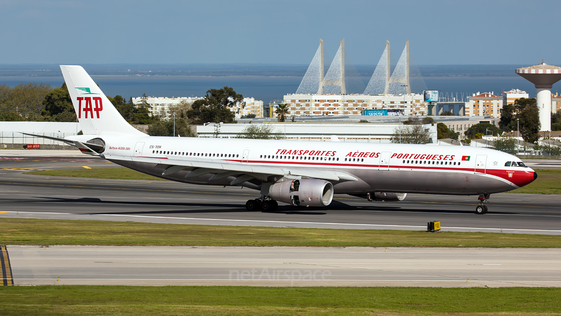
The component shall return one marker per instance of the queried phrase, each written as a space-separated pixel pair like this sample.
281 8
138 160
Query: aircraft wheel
266 206
481 209
252 205
274 205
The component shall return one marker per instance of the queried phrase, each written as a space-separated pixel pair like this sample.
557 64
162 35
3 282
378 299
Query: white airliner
295 172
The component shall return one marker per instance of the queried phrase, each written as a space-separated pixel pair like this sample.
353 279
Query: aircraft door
480 163
245 156
385 160
138 148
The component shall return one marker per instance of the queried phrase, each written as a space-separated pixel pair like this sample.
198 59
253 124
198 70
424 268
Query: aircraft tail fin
96 114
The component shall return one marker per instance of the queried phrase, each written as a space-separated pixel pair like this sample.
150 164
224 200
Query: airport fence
17 139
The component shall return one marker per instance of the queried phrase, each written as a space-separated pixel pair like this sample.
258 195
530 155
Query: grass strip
71 232
547 182
120 300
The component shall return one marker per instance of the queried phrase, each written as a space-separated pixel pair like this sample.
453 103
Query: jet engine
303 192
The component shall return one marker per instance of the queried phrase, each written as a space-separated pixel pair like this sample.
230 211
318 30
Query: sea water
267 86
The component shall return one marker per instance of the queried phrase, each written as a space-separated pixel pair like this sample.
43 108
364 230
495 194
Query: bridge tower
336 73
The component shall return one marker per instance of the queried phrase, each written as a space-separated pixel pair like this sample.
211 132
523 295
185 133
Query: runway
169 202
285 266
28 196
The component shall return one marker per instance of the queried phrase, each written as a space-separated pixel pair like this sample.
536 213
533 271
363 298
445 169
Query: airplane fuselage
377 167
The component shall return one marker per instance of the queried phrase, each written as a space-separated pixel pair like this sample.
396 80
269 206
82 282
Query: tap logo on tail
90 104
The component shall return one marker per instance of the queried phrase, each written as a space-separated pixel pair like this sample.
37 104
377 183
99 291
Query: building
484 104
371 133
460 124
509 97
249 107
159 106
354 104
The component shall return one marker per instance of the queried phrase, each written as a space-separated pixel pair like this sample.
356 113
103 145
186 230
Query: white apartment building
249 106
354 104
510 96
159 106
484 104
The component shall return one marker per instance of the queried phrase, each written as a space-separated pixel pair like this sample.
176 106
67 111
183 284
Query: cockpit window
514 164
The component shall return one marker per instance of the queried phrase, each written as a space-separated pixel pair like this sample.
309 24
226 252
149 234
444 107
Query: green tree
411 134
508 120
57 106
126 109
412 120
483 129
140 113
179 110
551 150
428 120
4 95
216 106
444 132
10 116
282 111
528 114
556 121
506 144
165 128
25 100
260 131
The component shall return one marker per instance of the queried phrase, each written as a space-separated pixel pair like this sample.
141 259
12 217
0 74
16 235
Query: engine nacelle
303 192
386 196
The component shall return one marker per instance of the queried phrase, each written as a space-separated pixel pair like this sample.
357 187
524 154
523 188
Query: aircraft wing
242 172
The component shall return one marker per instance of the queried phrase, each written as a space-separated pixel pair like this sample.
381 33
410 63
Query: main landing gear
482 208
265 205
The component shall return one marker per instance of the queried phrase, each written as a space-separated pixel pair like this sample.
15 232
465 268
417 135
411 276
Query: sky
441 32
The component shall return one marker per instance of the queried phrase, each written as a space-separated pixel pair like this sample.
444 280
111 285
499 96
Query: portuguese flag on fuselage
465 158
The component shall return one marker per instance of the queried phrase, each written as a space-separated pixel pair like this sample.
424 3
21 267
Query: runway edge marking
7 277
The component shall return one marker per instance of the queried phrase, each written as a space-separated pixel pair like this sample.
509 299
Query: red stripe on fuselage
520 177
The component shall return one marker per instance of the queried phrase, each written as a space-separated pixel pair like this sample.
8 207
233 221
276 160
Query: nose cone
524 177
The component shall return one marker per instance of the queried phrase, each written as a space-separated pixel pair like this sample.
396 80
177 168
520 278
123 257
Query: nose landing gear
482 208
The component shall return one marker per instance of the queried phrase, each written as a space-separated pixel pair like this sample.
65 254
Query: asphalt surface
170 202
285 266
28 196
